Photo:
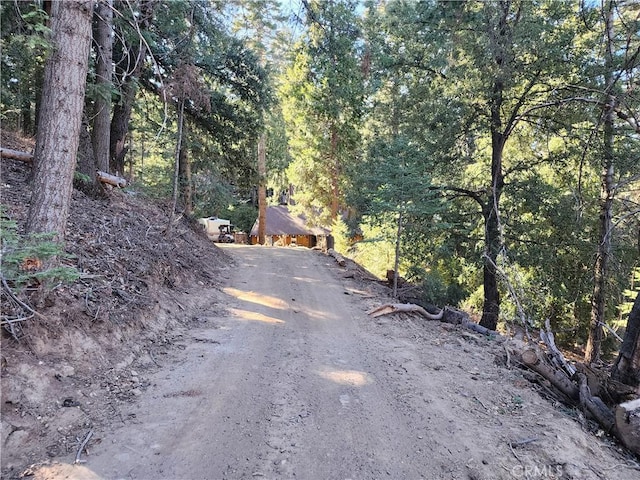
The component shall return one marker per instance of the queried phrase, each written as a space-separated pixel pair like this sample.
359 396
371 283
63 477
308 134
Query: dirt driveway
282 376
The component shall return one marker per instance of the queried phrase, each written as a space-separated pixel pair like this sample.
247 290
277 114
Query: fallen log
105 177
459 317
532 359
594 405
16 155
577 394
471 325
390 308
447 315
628 424
339 258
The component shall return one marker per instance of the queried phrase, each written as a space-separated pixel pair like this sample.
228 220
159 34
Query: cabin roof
280 221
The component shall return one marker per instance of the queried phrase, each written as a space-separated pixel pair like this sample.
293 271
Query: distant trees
506 103
322 104
612 89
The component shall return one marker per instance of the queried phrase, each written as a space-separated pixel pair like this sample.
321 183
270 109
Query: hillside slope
123 308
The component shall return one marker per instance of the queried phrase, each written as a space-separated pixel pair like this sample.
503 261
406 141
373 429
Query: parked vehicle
227 234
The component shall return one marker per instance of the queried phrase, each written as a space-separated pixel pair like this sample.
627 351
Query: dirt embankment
66 372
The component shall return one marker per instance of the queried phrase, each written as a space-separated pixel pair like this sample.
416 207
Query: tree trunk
86 163
396 262
601 268
335 173
500 42
25 112
176 171
491 213
262 189
104 69
186 187
491 304
60 117
129 81
627 366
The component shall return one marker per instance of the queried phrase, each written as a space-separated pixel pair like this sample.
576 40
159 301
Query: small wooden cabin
285 229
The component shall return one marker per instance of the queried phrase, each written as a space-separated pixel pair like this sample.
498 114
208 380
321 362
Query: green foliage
377 252
25 258
322 96
631 293
25 46
243 216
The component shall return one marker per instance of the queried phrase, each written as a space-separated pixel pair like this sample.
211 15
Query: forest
485 151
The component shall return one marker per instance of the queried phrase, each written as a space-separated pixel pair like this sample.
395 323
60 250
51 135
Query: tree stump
628 424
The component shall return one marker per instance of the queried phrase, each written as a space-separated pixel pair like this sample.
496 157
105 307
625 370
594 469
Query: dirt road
283 376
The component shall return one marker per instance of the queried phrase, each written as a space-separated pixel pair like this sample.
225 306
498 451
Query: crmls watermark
537 471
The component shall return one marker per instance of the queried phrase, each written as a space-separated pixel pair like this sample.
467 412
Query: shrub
28 260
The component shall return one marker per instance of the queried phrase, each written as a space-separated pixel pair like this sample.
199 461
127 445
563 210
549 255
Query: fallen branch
390 308
548 338
594 405
532 359
82 446
521 443
471 325
447 315
103 177
10 293
16 155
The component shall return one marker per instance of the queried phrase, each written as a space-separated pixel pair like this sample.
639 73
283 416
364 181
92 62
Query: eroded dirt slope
67 372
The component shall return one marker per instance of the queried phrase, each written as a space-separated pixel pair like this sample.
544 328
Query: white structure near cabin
211 225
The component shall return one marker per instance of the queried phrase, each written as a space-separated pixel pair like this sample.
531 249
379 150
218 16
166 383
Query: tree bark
396 262
335 174
627 366
104 69
60 117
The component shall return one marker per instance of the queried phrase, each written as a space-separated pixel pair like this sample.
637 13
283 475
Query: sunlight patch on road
65 470
260 299
307 279
254 316
316 314
353 378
